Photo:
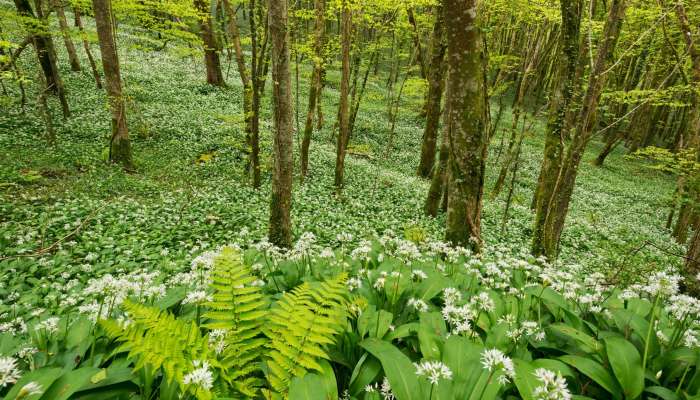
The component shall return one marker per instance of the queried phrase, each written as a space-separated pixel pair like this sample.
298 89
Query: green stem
649 332
685 373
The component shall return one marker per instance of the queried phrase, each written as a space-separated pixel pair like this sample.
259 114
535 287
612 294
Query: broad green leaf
365 372
43 376
587 343
662 392
596 372
627 365
397 368
78 332
307 387
525 379
69 383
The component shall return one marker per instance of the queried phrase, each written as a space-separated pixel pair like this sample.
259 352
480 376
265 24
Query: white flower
30 389
9 372
418 275
494 360
484 302
433 371
50 325
553 386
385 389
662 284
201 376
451 295
418 304
197 297
354 283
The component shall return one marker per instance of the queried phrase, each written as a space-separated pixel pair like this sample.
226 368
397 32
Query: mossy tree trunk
280 232
120 145
344 106
571 11
467 124
558 204
436 85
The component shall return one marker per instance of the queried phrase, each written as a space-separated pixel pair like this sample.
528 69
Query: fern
158 340
301 326
240 309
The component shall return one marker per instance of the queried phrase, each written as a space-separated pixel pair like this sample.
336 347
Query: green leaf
43 376
69 383
627 365
306 388
662 392
397 368
365 372
78 332
588 343
596 372
525 379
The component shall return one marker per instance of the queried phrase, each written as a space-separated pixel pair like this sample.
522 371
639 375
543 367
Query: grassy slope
176 204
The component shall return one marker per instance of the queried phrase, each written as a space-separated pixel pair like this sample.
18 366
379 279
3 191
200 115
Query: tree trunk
343 109
439 179
120 145
563 189
692 136
281 200
467 124
39 41
65 31
211 48
571 11
315 84
416 42
86 46
436 84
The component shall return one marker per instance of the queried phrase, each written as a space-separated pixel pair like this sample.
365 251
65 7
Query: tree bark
691 138
120 145
436 85
467 124
86 46
211 48
281 200
571 11
315 84
439 178
65 31
561 196
343 108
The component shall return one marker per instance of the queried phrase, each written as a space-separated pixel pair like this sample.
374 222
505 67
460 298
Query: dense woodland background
455 184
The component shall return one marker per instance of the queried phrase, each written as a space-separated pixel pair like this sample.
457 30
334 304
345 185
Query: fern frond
239 308
301 325
158 340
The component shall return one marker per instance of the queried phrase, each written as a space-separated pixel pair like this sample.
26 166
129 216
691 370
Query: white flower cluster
553 386
9 371
434 371
200 376
494 360
384 389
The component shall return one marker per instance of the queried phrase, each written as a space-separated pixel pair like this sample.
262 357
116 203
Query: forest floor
190 190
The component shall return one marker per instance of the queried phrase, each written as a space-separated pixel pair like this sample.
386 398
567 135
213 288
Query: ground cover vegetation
345 199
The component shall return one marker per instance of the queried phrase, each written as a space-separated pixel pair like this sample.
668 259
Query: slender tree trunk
40 42
467 123
120 145
315 84
243 72
417 44
563 189
343 110
692 136
281 200
571 11
438 181
86 46
65 31
211 48
436 84
53 59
